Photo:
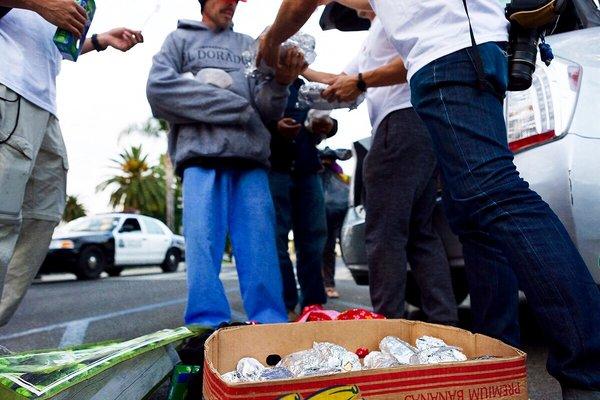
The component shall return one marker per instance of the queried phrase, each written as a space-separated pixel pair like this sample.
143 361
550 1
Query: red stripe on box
476 375
386 385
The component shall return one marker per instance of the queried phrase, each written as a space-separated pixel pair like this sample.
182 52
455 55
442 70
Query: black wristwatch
96 43
361 84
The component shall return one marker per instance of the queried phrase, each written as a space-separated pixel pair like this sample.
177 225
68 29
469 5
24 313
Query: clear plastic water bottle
310 97
304 42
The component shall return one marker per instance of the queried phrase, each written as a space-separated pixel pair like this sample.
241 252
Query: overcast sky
102 94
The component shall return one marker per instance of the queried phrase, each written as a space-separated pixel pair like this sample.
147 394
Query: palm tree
73 209
138 187
157 128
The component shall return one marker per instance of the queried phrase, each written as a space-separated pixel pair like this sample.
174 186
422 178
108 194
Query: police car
110 243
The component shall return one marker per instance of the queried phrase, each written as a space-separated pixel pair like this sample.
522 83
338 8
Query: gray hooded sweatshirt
210 125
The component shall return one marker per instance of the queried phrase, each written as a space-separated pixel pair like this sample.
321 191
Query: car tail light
543 112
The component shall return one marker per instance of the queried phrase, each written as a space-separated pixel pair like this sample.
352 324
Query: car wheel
114 271
91 264
172 260
459 284
360 277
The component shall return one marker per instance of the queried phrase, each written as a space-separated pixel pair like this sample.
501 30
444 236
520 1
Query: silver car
553 131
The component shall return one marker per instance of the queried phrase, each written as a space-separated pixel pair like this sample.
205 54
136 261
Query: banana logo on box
334 393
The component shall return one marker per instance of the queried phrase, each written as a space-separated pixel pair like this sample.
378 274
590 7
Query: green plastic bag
41 375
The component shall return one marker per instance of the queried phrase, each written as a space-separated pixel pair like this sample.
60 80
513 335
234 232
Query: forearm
318 76
25 4
393 73
292 15
356 4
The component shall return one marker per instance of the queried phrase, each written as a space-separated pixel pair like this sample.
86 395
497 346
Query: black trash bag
192 353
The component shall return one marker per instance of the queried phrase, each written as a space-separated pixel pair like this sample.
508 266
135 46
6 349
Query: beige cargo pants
33 177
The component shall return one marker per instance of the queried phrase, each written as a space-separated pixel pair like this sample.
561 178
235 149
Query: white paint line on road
52 327
76 325
74 334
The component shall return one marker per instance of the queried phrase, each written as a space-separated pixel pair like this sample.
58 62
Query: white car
89 246
553 131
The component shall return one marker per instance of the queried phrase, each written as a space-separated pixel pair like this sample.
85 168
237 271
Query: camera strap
482 83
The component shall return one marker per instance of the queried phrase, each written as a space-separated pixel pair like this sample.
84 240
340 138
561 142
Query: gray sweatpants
33 179
400 191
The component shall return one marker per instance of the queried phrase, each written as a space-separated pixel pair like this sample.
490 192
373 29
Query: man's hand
268 52
288 128
290 67
322 127
120 38
343 89
65 14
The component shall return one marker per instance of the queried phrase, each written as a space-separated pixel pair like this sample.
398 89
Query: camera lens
522 57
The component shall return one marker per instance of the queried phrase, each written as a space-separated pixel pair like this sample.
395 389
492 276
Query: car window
91 224
131 225
152 227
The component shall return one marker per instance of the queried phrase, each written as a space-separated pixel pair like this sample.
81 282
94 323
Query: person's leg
281 189
252 231
329 251
427 257
205 199
18 152
43 207
469 133
391 180
310 233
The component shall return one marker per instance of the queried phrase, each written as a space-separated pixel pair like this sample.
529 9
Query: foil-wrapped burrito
310 97
304 42
377 359
399 349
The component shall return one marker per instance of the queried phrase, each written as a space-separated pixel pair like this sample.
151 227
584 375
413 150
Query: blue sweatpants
238 202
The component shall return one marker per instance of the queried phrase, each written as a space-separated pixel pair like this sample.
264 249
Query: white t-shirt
29 59
424 30
376 52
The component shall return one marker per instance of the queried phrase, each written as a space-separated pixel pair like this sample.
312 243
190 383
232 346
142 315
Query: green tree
136 186
157 128
73 209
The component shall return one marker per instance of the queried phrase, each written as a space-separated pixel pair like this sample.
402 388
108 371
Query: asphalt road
59 311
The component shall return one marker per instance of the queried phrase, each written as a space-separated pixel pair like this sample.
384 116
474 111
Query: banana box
494 370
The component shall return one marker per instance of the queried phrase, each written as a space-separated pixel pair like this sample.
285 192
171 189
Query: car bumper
60 260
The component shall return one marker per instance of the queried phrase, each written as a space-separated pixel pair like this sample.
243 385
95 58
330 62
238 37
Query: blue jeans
509 233
300 206
221 201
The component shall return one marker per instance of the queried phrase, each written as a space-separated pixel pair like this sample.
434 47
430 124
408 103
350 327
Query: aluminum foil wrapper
231 377
399 349
304 363
437 355
426 342
271 374
322 359
309 97
377 359
304 42
249 369
338 358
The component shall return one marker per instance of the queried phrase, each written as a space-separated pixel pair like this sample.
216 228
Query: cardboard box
502 378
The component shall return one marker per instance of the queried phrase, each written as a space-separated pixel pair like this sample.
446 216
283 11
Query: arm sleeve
181 100
352 67
270 98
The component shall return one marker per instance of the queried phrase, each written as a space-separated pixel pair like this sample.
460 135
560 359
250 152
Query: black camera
529 21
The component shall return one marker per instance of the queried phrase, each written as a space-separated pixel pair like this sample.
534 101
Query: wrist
361 84
101 42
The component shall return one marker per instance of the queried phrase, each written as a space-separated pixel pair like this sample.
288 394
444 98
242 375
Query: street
60 311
